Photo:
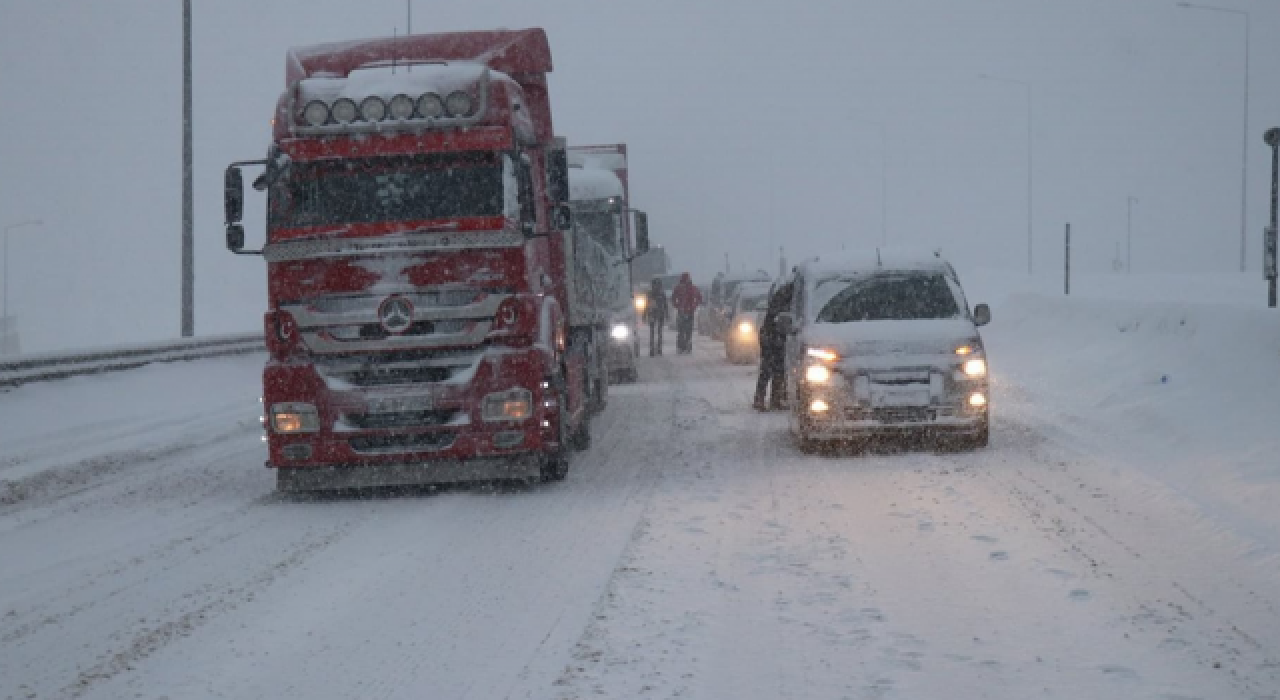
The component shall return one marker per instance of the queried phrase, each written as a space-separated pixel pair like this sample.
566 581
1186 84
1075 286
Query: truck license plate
400 404
902 398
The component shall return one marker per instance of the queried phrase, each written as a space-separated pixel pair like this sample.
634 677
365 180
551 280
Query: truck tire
580 439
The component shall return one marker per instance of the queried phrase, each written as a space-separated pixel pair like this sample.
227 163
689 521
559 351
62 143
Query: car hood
870 338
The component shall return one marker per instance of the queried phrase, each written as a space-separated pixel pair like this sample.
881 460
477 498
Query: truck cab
418 275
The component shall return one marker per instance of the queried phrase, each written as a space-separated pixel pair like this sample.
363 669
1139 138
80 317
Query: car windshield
901 297
753 303
387 190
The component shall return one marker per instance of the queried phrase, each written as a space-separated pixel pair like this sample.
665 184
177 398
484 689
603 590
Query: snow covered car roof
877 260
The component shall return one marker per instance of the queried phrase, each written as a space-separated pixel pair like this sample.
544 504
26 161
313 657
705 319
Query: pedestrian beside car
655 314
773 343
686 298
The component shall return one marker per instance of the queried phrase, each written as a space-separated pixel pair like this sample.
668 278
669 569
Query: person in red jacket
686 298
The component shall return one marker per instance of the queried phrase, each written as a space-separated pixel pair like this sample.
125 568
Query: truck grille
408 419
394 444
401 368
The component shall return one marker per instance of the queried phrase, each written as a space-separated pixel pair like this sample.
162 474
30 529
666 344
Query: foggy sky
751 125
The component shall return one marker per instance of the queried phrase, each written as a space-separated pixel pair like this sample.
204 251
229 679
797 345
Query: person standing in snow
686 298
655 314
773 345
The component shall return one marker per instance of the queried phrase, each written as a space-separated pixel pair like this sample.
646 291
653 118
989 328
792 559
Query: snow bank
1188 391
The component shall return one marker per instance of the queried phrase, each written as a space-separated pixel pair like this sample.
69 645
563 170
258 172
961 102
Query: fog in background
751 125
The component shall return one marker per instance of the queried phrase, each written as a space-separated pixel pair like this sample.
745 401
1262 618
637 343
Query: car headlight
746 328
620 331
975 368
641 303
510 405
823 354
293 418
817 374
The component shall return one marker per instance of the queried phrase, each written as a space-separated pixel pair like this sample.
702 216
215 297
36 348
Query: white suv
884 343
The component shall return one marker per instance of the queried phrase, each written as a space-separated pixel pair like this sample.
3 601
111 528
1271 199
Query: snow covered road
692 552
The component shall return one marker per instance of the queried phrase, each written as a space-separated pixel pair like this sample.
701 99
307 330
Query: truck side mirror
235 238
233 196
981 315
558 175
786 323
561 217
642 233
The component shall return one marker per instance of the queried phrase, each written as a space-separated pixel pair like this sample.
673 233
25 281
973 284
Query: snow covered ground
1116 541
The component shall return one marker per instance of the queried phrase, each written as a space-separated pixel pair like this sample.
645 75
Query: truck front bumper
525 467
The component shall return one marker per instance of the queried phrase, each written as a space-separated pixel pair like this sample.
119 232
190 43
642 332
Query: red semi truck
420 267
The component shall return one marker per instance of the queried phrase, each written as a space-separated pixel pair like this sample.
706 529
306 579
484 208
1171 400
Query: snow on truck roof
876 259
591 183
519 51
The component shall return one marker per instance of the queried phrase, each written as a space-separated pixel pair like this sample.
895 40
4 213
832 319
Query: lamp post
1244 133
7 229
1272 139
1030 163
1128 256
188 207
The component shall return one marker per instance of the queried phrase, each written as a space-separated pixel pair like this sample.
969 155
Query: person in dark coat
686 298
773 343
655 314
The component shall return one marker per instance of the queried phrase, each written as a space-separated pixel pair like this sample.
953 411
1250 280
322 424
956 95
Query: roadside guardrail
42 368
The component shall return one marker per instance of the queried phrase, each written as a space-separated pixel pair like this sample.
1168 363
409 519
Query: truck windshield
887 298
412 188
597 222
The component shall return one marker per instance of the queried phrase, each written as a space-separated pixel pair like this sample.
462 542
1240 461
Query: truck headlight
293 418
746 328
620 331
817 374
975 368
641 303
510 405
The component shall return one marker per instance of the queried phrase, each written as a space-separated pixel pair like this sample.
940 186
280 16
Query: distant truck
424 322
601 202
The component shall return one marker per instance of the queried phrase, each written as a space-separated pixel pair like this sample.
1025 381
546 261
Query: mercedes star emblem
396 314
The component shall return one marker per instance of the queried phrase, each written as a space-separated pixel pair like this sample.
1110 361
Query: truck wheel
581 438
600 397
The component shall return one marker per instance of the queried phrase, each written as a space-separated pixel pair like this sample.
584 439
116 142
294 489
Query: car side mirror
561 217
558 174
786 323
642 233
981 315
235 238
233 195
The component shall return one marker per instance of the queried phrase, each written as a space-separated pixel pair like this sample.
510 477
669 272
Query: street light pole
1128 258
1244 133
1269 243
7 229
188 214
1030 165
